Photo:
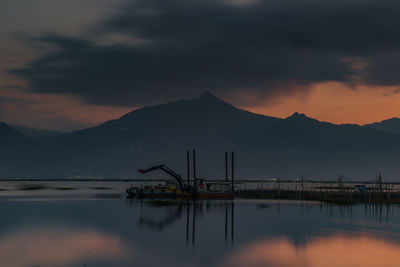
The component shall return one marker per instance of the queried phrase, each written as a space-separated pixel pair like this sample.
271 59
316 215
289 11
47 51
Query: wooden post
194 164
194 172
188 169
233 168
226 166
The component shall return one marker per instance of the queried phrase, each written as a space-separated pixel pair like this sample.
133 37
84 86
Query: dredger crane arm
164 168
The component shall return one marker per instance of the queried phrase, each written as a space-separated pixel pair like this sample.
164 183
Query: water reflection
173 214
332 251
71 229
279 233
190 210
58 247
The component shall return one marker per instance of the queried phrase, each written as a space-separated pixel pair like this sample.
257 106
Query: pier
343 192
340 192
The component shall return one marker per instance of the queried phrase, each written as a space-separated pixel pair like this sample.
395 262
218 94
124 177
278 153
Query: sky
71 64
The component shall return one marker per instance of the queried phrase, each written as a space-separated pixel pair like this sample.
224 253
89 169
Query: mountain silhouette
10 137
12 144
265 146
390 125
33 133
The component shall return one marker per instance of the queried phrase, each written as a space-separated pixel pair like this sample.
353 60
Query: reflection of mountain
336 250
114 222
265 146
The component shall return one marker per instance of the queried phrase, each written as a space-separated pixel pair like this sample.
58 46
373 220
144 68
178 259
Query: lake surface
93 224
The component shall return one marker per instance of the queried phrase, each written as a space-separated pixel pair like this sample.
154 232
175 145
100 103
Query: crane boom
164 168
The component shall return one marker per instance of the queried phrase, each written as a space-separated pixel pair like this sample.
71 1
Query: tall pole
226 166
194 171
188 168
233 168
194 164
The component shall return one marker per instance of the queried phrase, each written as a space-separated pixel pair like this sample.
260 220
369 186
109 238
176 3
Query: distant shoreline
261 181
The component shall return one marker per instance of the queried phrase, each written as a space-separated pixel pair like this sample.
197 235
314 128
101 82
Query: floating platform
139 193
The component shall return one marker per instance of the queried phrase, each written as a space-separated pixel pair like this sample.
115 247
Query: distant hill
10 137
203 117
12 145
156 134
265 146
33 133
390 125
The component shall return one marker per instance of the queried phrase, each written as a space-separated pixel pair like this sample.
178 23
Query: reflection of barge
199 189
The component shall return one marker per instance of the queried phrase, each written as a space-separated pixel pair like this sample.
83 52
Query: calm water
92 224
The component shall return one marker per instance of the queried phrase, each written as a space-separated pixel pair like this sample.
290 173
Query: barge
200 189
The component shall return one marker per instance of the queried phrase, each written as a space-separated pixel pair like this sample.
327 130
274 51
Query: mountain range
390 125
265 147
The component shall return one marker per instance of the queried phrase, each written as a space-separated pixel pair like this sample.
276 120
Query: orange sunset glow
331 101
58 247
339 250
337 103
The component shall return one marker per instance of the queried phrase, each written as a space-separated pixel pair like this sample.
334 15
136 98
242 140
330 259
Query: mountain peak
208 96
301 118
297 114
209 99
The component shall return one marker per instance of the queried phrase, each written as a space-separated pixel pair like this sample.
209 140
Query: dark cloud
180 48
